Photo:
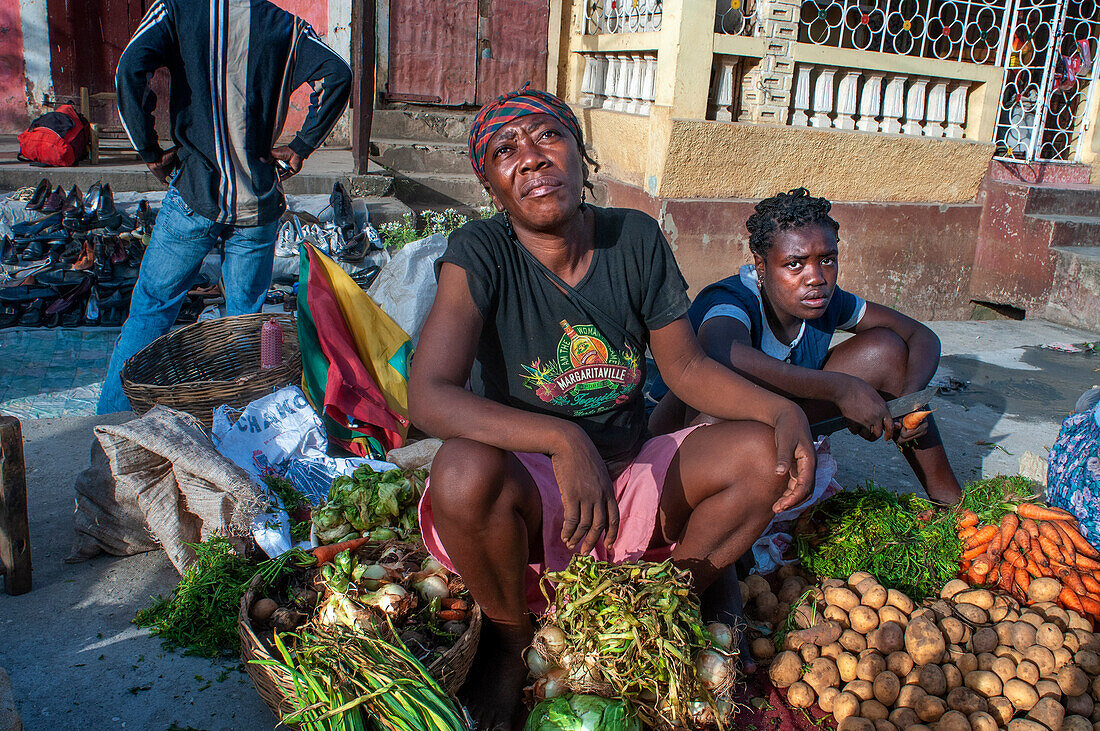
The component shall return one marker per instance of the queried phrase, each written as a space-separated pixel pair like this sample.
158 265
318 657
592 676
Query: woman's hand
586 493
863 407
795 457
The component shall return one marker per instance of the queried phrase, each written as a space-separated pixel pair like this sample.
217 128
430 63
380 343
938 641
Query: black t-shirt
542 351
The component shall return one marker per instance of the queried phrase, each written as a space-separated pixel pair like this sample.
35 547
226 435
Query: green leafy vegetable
382 505
582 713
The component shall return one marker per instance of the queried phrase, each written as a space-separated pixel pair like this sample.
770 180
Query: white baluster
914 108
611 82
723 93
956 110
599 81
870 103
637 74
847 94
823 98
801 98
588 82
626 71
893 104
937 110
649 85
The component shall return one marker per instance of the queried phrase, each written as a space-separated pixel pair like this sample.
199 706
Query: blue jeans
170 267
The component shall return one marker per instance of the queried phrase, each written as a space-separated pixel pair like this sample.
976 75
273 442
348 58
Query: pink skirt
637 492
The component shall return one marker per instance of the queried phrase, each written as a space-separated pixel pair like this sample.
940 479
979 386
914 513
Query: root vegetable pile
969 659
633 631
1035 553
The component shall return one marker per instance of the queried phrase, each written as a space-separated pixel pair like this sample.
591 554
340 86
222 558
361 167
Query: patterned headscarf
513 105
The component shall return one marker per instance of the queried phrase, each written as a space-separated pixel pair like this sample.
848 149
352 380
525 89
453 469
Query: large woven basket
212 362
277 689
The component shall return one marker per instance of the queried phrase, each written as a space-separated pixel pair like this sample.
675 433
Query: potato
869 666
791 589
952 629
941 608
1022 635
1028 672
1042 657
875 597
909 696
903 718
762 648
952 674
1025 724
933 680
953 721
846 599
924 642
971 613
986 660
1070 642
824 633
1033 618
786 669
886 687
999 609
826 697
836 614
930 708
893 614
858 577
922 612
1076 723
899 663
800 695
982 721
845 705
1048 712
856 723
1048 688
1058 617
809 652
1049 636
766 605
978 597
1088 661
913 678
1022 695
984 683
822 674
1062 657
1004 668
1072 681
887 637
1080 705
1010 652
1004 632
985 640
966 701
805 616
860 689
1086 640
833 650
863 619
953 587
1095 690
884 725
853 641
1001 709
755 585
830 583
846 664
1044 590
873 710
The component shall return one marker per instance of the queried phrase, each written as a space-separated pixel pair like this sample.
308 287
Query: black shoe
111 309
41 192
355 250
7 252
105 215
343 215
55 202
103 268
74 203
28 229
36 250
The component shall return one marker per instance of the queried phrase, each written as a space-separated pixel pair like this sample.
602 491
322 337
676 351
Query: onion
701 713
432 587
373 576
388 598
581 670
721 634
536 663
551 638
552 688
712 669
432 566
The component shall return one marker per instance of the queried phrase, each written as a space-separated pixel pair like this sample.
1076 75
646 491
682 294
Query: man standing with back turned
233 65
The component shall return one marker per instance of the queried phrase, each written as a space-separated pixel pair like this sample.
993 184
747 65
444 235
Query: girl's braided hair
784 211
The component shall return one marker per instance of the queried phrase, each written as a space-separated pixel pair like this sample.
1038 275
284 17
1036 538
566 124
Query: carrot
1068 599
1038 512
1051 550
325 554
913 420
974 552
1045 571
1091 606
1091 584
1023 579
967 532
994 575
968 519
1008 573
1013 557
1073 581
981 566
451 615
455 603
1066 544
984 535
1009 523
1023 540
1080 542
1030 526
1086 563
1033 568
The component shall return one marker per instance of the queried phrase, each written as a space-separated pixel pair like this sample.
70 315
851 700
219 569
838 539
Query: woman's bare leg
488 514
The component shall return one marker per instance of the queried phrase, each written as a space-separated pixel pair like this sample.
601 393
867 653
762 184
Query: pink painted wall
314 12
13 92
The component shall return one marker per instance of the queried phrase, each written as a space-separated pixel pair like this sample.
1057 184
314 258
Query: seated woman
773 323
547 309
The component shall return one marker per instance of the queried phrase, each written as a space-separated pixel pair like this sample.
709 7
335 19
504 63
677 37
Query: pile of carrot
1032 542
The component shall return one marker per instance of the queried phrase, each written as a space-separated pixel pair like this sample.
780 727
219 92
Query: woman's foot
493 689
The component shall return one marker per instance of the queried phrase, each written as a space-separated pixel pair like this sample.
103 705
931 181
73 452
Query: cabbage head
582 713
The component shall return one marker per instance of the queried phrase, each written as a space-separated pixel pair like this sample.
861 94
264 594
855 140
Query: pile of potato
971 659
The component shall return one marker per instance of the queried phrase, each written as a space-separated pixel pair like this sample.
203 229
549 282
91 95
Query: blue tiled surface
53 372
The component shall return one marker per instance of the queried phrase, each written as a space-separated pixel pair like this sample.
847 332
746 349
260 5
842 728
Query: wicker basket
277 689
212 362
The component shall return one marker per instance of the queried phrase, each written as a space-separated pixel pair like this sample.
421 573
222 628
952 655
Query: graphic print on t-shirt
587 375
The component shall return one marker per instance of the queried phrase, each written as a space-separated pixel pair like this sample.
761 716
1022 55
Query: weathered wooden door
438 56
86 39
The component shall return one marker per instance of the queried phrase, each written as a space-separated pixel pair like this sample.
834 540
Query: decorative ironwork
623 16
735 17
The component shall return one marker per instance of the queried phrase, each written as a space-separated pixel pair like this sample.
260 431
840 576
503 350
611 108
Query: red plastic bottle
271 344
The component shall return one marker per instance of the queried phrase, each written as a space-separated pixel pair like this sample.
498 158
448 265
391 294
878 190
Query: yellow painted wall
621 143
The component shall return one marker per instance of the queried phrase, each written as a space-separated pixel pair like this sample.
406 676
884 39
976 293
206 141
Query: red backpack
57 138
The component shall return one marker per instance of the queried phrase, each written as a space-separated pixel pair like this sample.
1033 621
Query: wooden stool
15 536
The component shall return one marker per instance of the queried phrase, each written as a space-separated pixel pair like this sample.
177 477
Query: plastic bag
405 288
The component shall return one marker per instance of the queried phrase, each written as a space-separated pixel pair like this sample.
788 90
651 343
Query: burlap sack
167 474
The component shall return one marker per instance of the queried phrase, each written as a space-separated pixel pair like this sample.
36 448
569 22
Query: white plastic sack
270 432
405 288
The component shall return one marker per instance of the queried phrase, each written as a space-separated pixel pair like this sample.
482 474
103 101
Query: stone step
1070 230
422 125
1064 200
1075 291
409 156
435 190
